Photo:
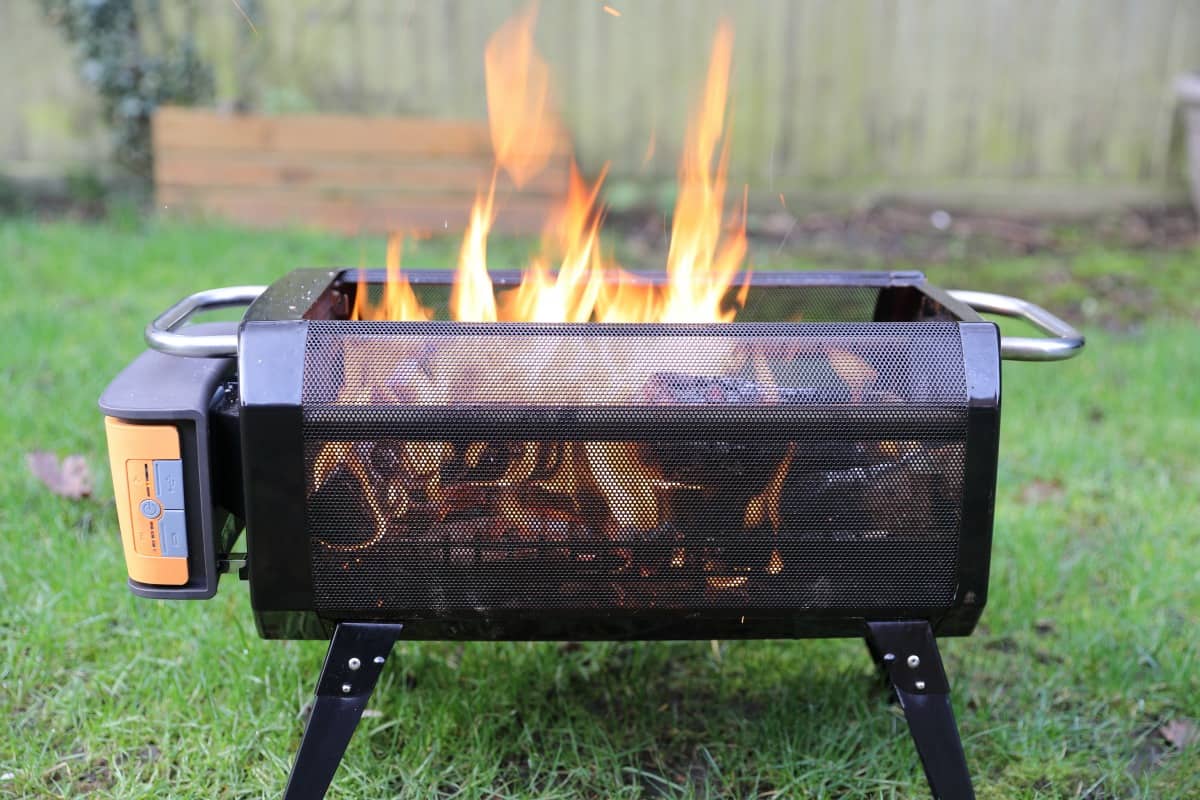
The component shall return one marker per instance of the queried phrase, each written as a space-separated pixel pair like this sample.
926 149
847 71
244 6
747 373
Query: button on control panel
148 479
168 482
149 508
173 534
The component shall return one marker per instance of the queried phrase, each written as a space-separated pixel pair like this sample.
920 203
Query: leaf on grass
1044 627
1179 733
68 478
1040 491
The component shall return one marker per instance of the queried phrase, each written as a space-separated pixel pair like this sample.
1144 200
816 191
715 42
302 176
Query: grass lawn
1089 644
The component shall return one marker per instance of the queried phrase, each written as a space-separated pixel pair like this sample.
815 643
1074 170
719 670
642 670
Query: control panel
147 471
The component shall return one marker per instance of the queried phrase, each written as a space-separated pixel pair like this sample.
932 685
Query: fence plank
324 134
340 172
301 171
346 212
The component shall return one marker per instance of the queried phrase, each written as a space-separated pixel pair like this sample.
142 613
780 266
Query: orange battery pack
147 473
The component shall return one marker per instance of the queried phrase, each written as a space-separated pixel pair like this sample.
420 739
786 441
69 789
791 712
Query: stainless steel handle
1064 341
162 333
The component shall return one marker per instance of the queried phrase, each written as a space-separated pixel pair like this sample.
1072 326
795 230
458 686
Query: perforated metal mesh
468 469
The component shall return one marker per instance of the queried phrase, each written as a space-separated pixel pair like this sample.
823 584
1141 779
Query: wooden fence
339 172
1019 102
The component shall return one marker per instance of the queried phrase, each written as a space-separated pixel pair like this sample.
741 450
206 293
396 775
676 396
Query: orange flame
521 116
570 280
471 299
706 250
700 267
574 235
399 300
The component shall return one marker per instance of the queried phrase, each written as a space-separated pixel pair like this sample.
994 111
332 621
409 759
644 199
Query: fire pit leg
356 656
877 659
910 657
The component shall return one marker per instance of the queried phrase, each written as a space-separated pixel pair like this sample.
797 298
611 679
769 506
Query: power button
150 509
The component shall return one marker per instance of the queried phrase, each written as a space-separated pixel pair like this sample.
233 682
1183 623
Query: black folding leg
910 657
356 656
876 658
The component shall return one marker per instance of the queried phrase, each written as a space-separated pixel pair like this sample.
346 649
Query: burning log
673 388
620 508
726 467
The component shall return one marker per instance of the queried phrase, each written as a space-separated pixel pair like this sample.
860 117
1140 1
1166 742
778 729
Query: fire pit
824 465
577 452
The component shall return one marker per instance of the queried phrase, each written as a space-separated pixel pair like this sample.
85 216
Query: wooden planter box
348 174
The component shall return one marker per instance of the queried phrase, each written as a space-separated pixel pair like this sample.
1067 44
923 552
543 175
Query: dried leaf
1179 733
70 478
1040 491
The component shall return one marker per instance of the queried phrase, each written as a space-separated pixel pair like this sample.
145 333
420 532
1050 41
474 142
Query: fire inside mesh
481 520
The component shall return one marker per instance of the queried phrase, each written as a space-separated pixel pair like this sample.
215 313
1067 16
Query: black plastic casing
271 360
159 388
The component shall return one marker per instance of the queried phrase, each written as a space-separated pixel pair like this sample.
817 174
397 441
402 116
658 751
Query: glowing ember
651 143
727 582
764 507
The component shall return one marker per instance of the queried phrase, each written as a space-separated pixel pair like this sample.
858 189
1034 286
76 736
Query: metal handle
1064 341
161 334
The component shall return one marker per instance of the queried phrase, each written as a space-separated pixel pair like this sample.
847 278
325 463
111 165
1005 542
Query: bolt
354 663
914 661
889 657
378 659
345 688
920 686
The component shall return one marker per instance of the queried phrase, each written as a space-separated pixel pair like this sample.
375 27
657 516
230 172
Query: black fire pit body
823 466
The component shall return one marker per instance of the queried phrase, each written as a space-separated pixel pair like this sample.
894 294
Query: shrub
111 38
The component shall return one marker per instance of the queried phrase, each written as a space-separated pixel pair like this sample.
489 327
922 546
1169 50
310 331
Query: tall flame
471 299
573 235
521 116
570 279
700 266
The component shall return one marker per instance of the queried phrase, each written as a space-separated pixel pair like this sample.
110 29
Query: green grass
1088 645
